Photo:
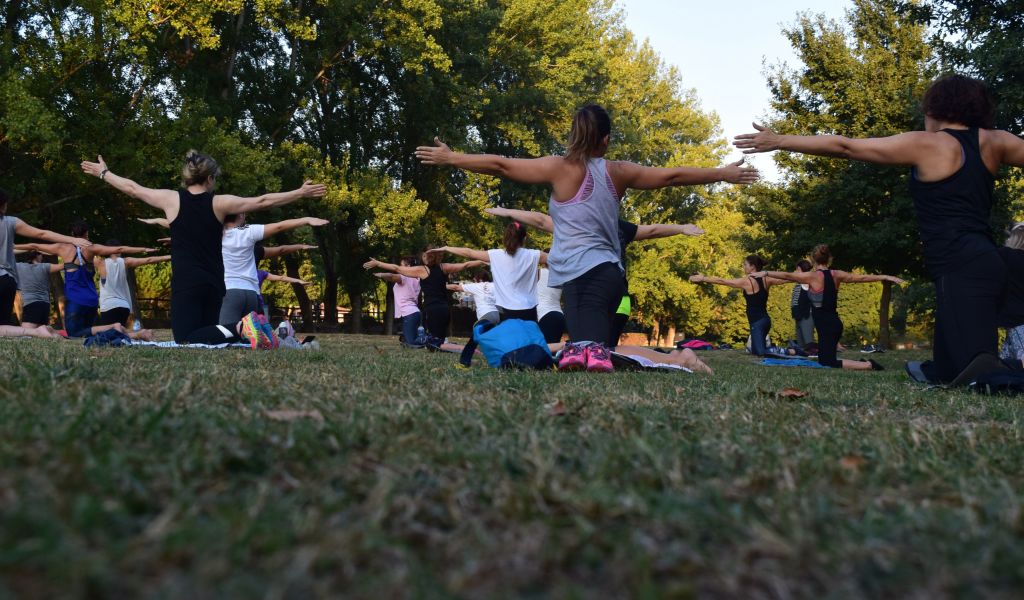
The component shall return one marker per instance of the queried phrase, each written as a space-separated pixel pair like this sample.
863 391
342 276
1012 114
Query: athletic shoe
253 333
871 349
574 358
599 360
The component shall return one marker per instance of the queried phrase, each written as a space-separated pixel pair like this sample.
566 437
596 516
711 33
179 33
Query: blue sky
721 49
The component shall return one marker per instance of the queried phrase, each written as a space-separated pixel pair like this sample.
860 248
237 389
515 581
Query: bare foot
145 335
688 358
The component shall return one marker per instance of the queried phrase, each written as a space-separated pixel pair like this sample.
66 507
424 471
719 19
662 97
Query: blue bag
513 344
110 337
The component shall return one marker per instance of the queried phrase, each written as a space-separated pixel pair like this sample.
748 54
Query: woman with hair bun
196 217
952 163
584 207
824 293
755 294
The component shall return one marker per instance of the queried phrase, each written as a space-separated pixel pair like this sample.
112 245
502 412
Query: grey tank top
586 227
8 266
114 288
34 282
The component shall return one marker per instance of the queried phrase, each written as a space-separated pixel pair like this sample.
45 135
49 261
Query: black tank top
196 234
434 291
827 300
757 303
954 214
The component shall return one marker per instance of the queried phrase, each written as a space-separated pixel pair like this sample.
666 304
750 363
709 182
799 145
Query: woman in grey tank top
584 206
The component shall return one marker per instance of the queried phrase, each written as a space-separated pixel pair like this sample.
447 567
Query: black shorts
115 315
37 313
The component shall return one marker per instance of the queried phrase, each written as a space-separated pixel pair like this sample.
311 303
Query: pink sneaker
573 358
599 360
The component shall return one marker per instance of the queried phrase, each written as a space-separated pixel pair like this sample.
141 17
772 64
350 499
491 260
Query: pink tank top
407 294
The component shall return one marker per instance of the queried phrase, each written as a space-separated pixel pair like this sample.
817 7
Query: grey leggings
236 304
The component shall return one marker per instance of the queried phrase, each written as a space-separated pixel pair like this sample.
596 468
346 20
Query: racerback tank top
757 303
953 214
79 285
435 292
196 259
825 300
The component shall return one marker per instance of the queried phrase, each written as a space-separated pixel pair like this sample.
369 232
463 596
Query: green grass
158 473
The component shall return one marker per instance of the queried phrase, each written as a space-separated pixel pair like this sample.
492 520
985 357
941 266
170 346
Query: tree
862 80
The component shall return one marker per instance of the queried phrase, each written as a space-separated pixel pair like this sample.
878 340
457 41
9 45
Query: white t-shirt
483 297
549 299
239 261
515 278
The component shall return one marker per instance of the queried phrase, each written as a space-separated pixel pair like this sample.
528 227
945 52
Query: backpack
513 344
1008 383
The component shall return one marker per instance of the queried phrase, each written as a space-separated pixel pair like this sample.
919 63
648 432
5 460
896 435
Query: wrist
103 173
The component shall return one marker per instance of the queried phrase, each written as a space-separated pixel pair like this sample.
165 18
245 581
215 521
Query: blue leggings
410 327
759 330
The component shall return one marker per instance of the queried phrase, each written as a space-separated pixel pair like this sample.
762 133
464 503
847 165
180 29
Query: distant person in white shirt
514 271
241 278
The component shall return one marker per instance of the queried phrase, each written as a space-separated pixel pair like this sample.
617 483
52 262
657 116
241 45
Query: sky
721 48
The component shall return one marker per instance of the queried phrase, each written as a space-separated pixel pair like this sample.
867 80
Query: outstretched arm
451 268
158 222
907 149
283 279
804 277
24 229
470 253
631 175
844 277
162 199
389 277
1012 148
523 170
733 283
131 263
275 228
53 249
224 205
275 251
531 218
650 232
419 272
455 287
101 250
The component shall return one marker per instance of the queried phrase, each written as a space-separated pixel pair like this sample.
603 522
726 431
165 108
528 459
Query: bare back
945 156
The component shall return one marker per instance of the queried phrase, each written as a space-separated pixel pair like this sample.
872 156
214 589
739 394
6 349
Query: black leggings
830 330
591 301
194 308
8 287
214 335
552 325
967 304
530 314
437 317
115 315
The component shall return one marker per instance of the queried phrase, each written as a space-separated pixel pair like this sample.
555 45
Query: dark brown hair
755 261
590 125
27 257
410 261
821 255
79 228
198 168
4 199
804 265
960 99
515 235
432 259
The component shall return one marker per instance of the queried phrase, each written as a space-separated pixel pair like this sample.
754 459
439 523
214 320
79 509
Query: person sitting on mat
824 293
755 293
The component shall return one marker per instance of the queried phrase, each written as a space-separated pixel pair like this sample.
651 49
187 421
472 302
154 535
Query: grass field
138 472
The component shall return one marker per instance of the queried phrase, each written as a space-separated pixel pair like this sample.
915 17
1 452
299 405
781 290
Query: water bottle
137 325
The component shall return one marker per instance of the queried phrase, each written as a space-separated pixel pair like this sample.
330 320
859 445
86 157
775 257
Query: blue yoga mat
792 362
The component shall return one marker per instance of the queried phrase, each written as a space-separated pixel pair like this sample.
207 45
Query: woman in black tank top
433 275
196 217
952 166
755 293
824 293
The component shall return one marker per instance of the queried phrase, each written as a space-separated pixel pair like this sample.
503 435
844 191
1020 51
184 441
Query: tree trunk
655 336
291 264
133 293
57 285
883 315
356 299
389 310
670 337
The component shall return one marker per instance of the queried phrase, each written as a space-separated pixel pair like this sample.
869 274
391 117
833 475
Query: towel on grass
792 362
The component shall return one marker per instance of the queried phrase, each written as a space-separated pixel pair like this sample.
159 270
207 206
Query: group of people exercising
953 164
